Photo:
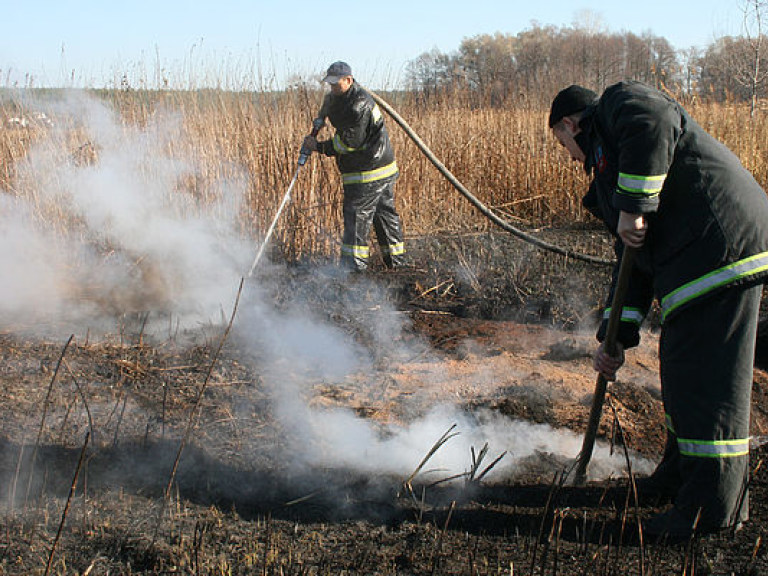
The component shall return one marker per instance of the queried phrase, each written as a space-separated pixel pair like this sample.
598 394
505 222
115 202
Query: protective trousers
706 355
366 203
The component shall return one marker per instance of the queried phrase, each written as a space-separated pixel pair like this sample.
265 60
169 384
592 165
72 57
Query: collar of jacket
349 94
586 136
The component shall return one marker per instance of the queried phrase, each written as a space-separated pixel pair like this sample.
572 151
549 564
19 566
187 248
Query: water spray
304 155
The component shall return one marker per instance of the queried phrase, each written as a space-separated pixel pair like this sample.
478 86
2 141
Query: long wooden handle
612 331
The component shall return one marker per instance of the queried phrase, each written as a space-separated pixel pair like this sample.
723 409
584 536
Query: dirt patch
232 433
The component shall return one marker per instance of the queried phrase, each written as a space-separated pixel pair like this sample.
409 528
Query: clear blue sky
94 41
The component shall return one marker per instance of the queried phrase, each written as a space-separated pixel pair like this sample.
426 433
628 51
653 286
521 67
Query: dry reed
506 157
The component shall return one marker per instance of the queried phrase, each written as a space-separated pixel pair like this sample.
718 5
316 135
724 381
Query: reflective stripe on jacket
361 143
707 216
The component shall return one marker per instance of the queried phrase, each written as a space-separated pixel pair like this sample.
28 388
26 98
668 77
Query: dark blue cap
337 71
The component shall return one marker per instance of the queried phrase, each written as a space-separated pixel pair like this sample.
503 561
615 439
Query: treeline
531 66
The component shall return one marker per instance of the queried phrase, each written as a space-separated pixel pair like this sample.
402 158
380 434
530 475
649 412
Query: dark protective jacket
707 216
361 143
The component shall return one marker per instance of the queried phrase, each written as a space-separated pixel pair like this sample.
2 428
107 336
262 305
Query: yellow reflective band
640 185
668 420
713 448
628 314
376 113
356 251
370 175
397 249
340 147
725 275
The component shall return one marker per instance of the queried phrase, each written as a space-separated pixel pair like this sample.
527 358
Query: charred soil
136 454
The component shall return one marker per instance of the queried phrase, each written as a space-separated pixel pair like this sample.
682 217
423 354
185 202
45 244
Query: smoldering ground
111 236
299 352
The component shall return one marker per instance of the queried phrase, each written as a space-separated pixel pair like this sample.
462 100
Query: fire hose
619 294
487 212
618 297
319 122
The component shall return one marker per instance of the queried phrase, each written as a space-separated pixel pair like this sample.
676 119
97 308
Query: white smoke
103 227
337 438
29 278
300 352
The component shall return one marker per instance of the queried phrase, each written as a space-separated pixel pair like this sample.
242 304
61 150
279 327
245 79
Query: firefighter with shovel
696 223
368 169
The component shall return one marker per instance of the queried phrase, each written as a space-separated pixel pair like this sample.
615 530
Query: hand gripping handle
305 152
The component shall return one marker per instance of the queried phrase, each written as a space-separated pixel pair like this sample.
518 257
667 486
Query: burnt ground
145 454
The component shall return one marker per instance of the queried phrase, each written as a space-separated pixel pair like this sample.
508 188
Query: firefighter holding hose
698 224
368 169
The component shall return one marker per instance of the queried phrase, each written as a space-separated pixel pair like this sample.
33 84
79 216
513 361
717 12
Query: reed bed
505 156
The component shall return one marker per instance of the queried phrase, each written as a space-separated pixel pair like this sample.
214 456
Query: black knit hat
569 101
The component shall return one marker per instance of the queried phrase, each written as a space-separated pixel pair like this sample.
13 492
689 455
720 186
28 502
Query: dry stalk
82 397
632 491
433 289
477 459
587 534
42 419
93 564
119 421
607 558
471 475
442 440
65 420
198 539
72 489
593 561
193 413
558 480
439 543
448 479
141 334
689 559
422 506
162 414
17 472
561 518
303 498
267 539
472 554
750 567
548 544
490 466
117 403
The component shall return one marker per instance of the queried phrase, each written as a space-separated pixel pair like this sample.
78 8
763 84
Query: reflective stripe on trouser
366 204
706 355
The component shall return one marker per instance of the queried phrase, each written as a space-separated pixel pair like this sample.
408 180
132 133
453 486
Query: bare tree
690 71
532 65
430 71
489 63
751 72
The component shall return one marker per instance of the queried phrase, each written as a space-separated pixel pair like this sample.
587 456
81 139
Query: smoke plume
102 228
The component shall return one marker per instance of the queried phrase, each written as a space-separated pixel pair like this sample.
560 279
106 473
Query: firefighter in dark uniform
699 223
366 160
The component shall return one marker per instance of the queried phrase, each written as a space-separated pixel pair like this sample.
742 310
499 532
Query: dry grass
506 157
